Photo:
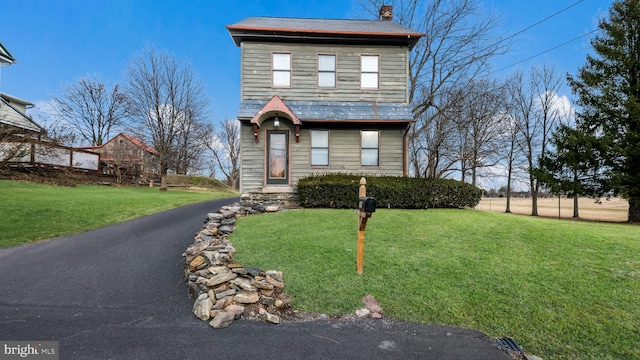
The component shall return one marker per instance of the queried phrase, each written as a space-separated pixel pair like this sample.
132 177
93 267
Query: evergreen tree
571 168
608 90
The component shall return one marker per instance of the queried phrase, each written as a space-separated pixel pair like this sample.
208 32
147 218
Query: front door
277 158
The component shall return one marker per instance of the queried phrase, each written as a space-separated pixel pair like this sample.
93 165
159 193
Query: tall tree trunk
535 187
508 209
118 172
534 200
473 176
575 196
163 182
634 211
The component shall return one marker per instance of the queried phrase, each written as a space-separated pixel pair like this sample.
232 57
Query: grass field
614 209
562 289
31 211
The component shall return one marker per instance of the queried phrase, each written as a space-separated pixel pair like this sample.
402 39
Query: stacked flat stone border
222 289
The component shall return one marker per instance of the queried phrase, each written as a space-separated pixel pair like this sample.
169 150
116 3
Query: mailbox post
366 206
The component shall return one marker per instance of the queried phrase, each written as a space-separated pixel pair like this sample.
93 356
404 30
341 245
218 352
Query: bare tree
13 146
433 151
59 133
225 149
458 43
92 108
164 98
190 145
510 138
480 127
534 108
123 159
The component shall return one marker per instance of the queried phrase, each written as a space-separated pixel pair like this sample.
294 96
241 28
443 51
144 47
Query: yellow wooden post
362 223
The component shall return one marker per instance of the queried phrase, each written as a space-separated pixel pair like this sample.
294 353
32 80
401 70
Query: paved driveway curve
117 293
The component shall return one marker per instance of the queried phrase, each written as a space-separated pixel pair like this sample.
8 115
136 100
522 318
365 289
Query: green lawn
31 211
562 289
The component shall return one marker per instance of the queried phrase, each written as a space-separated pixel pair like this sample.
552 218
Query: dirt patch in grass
610 210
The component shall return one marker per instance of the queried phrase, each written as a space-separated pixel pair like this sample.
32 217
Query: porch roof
335 111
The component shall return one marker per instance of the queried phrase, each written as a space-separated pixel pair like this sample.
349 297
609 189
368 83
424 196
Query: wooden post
362 223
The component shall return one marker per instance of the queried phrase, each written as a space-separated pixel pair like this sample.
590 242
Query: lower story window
370 147
319 147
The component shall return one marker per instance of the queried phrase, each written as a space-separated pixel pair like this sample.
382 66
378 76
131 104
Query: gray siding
344 154
251 160
256 73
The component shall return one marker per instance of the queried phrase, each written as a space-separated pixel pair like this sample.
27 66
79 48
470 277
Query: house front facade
321 96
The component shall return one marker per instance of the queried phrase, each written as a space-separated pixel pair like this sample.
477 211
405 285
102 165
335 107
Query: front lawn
562 289
31 212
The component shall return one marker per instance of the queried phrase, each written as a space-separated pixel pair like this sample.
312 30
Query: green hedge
341 191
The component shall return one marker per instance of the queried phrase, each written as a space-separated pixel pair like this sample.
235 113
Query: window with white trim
370 147
281 69
319 147
327 71
369 71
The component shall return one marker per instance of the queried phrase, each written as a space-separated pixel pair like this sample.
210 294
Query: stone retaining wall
222 289
287 199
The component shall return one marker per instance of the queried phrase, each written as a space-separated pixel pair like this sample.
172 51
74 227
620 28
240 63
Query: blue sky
57 42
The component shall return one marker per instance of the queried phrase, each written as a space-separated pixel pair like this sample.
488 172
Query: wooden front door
277 158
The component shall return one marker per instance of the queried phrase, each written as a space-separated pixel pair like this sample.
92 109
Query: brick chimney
386 13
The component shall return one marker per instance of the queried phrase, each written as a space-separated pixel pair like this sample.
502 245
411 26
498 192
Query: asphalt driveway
118 293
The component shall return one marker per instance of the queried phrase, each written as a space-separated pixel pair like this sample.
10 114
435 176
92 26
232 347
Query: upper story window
319 147
281 69
370 147
327 71
369 70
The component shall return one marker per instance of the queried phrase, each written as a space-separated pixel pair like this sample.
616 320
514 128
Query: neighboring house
5 56
321 96
14 120
13 111
24 143
125 156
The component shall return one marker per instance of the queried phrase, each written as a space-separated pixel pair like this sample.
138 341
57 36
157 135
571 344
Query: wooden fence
37 153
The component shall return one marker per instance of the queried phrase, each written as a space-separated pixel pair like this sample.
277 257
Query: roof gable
274 106
134 141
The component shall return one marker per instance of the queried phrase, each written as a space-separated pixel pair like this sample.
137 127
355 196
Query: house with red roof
125 156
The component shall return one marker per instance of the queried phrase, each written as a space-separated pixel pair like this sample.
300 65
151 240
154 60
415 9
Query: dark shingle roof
326 25
260 27
339 111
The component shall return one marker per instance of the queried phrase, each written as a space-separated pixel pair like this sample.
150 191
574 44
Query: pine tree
571 167
608 90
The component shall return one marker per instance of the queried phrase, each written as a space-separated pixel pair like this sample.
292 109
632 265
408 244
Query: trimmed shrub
341 191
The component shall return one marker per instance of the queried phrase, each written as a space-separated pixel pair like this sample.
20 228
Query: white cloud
560 105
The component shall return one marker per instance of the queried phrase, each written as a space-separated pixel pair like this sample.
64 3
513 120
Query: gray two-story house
321 96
